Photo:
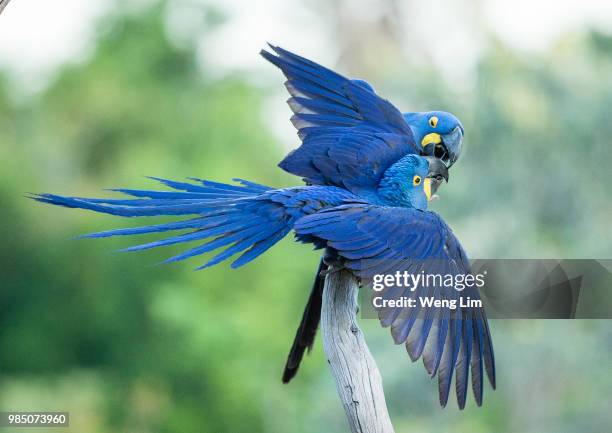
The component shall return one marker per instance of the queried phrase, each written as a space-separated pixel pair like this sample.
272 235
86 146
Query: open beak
438 171
446 147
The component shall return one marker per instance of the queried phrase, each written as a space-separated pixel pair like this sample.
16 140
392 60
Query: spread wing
349 134
382 240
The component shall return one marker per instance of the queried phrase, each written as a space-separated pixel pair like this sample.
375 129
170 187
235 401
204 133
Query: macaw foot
331 269
333 261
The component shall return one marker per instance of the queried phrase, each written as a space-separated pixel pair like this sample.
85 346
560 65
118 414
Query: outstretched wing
245 219
375 240
350 135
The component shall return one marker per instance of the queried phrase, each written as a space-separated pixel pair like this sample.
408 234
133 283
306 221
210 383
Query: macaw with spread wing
349 134
363 221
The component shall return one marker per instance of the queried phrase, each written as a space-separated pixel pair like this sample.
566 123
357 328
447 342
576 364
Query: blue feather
178 225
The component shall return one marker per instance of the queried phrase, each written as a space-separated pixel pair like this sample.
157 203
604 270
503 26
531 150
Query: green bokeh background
127 346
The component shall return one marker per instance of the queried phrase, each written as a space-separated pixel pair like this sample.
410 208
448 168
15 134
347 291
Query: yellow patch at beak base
432 138
427 188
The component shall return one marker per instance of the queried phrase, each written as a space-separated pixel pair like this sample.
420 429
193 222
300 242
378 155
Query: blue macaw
379 215
348 132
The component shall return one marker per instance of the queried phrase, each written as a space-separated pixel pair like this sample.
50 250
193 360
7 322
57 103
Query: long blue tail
247 216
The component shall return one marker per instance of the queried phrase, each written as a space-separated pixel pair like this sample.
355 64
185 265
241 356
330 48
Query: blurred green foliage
127 346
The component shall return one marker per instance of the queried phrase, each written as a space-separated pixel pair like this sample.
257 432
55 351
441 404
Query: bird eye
416 180
433 121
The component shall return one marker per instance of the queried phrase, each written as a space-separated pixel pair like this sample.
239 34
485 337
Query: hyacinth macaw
349 135
392 223
373 206
328 107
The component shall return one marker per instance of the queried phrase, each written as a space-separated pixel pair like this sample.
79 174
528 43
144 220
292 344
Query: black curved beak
450 147
437 169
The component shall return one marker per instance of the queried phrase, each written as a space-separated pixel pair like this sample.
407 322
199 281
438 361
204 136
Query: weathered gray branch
357 377
3 4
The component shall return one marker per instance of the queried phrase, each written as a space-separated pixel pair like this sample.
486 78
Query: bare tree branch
357 377
3 4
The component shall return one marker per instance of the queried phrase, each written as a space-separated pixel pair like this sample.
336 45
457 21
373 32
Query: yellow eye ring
433 121
416 180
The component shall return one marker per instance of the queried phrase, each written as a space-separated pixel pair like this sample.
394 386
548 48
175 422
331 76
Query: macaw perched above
350 135
366 203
